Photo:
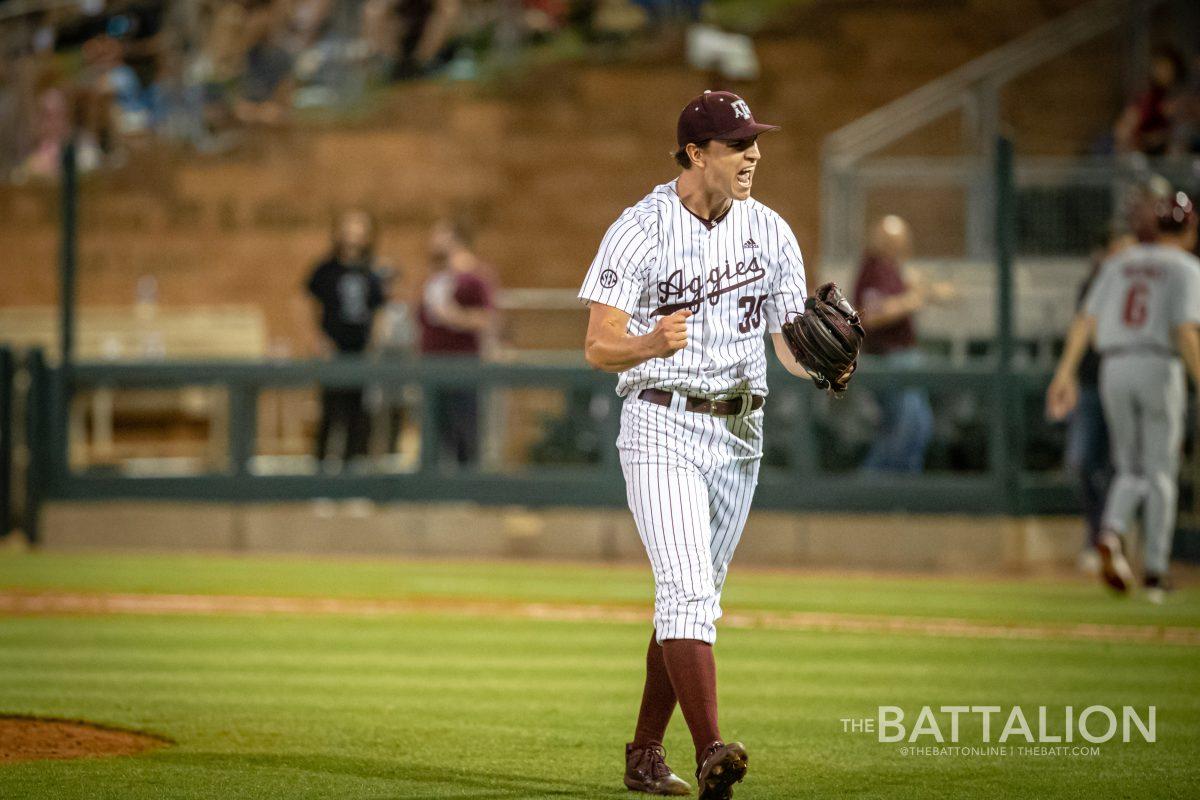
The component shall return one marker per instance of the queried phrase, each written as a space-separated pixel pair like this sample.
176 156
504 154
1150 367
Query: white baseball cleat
1114 569
1156 588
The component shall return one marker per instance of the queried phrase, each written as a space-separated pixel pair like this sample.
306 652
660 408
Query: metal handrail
574 484
897 119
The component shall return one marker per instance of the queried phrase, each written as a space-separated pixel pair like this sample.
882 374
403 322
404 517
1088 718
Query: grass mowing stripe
54 603
997 600
368 738
429 706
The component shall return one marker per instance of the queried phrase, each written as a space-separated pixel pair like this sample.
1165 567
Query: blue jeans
906 425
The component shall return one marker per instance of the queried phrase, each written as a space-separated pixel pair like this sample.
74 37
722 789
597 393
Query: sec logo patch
608 279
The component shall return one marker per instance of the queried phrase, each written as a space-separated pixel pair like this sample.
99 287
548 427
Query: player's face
729 167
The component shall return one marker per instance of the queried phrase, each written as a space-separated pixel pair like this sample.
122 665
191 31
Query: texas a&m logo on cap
717 115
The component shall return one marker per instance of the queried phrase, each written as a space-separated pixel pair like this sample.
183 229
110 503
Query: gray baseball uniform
1140 297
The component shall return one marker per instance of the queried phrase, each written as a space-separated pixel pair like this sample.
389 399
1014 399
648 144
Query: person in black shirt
347 293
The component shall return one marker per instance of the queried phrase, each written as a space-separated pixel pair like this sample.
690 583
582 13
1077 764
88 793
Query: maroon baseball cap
718 115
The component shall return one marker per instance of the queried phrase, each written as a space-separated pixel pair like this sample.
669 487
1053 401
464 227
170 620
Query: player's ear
696 154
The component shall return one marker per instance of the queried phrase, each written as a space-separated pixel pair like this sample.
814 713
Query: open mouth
745 177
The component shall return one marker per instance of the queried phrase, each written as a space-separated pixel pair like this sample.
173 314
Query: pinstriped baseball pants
689 479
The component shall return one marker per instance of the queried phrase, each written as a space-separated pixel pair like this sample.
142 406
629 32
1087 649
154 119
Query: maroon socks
693 671
658 699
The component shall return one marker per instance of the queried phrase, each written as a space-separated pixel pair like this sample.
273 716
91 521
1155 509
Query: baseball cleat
646 771
723 765
1114 569
1156 587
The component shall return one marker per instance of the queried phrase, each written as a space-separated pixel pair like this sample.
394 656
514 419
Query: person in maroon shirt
888 302
1145 125
455 319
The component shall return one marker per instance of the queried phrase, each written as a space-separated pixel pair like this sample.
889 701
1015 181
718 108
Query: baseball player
681 292
1143 311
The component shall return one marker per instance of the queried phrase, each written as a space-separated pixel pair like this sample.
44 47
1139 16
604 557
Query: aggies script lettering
674 294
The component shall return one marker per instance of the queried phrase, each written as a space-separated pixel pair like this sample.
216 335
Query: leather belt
742 404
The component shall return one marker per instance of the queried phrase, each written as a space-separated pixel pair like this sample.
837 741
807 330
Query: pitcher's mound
29 738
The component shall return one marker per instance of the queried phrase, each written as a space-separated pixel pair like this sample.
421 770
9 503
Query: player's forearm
786 358
1078 338
1187 339
617 352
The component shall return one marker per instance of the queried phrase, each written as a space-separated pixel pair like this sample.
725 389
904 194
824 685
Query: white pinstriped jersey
742 276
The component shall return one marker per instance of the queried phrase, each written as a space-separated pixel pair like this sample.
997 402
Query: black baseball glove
825 339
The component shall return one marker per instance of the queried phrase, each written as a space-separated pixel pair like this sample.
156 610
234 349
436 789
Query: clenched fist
669 335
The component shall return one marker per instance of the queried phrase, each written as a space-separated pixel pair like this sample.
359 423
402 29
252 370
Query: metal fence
801 468
1061 203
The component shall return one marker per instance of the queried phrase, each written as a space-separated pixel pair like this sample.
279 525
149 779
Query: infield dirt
31 739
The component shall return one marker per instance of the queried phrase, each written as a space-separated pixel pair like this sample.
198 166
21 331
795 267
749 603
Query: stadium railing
794 478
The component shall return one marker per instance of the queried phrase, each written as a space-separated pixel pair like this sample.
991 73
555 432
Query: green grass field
462 702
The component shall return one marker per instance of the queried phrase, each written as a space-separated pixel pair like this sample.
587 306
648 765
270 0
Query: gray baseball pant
1144 395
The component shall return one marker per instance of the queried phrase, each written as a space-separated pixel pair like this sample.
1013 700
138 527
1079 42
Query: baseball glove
825 339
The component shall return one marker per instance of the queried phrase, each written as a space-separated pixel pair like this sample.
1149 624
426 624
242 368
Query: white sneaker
1114 569
1156 587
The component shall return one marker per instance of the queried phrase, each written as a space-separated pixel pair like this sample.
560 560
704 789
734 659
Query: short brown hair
681 155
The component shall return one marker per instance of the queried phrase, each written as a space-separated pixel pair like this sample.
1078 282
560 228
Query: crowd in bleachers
118 71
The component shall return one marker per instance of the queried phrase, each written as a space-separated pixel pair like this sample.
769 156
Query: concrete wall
926 543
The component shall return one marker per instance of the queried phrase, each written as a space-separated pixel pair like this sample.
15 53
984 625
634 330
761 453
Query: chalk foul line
19 603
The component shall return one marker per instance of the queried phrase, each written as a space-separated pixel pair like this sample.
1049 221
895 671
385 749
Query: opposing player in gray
1143 312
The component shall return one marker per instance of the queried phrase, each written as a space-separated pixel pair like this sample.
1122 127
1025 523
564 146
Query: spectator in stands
380 35
888 301
347 292
114 90
1187 131
211 74
305 23
1087 453
52 128
1145 126
266 85
456 318
310 38
425 27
